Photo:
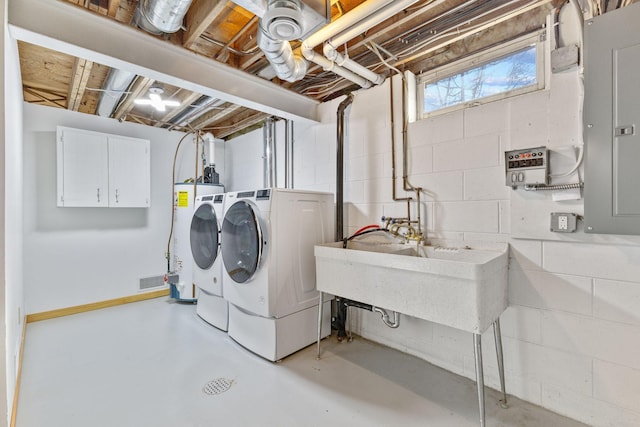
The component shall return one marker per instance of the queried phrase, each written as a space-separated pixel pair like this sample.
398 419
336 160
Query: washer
268 239
185 290
204 238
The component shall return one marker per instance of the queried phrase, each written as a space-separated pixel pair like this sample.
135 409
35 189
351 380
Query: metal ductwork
288 65
161 16
282 21
194 111
114 88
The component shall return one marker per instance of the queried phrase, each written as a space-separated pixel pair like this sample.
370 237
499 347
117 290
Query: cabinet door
129 164
83 173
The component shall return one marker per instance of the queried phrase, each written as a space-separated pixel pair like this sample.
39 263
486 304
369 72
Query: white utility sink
462 287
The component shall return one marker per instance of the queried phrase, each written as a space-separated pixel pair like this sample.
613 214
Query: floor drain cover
217 386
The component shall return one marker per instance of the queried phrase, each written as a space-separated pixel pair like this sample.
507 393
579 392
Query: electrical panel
528 166
611 122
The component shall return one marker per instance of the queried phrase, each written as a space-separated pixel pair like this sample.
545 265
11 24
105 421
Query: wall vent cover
151 282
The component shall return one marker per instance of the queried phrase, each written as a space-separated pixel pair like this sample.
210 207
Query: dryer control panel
529 166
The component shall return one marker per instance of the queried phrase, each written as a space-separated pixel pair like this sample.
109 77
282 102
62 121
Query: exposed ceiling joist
214 61
214 116
233 39
475 29
113 8
200 15
79 78
46 97
244 121
67 28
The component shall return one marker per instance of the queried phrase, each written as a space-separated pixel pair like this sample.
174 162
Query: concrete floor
146 364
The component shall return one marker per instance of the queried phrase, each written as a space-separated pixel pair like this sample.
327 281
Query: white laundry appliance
268 239
184 202
207 262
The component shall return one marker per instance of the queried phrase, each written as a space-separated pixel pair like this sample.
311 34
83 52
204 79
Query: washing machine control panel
263 194
218 199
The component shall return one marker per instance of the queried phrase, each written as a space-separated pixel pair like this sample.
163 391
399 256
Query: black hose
353 236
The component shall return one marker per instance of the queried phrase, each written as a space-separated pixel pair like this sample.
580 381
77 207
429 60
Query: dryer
268 238
204 238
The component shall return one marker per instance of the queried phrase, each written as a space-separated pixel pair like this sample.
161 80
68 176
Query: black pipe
350 303
341 310
340 168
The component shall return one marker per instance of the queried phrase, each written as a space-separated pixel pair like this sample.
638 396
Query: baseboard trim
45 315
16 393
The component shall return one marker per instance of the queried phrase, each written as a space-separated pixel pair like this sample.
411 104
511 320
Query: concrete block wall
572 331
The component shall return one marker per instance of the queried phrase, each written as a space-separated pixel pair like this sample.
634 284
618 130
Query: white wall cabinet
102 170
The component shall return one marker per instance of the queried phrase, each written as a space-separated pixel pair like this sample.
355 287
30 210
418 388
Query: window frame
537 39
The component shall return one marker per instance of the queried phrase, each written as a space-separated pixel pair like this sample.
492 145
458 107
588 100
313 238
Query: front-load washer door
242 241
204 236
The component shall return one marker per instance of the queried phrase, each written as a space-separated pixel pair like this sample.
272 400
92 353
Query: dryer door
204 236
242 241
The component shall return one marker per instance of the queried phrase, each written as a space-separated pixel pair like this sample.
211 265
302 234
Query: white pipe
208 138
344 22
352 65
373 19
328 65
363 17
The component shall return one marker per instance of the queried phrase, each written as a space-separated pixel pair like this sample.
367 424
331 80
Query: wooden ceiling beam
238 123
214 116
139 88
59 102
72 30
239 34
200 15
79 78
113 8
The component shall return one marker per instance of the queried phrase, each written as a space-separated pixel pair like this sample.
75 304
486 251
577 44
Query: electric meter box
528 166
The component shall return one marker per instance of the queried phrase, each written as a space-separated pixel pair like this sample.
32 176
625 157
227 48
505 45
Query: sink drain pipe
342 303
345 303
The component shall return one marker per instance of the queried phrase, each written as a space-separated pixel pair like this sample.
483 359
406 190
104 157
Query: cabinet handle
98 194
117 196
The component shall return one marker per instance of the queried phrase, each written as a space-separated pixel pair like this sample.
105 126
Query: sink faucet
410 235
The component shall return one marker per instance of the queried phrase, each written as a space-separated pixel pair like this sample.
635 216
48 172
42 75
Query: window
498 73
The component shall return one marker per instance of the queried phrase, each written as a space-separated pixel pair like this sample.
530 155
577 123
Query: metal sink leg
498 337
321 296
477 352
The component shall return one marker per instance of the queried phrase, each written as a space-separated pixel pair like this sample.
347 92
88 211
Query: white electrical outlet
562 222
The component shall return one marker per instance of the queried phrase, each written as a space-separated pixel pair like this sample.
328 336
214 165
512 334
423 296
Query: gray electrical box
529 166
612 121
564 222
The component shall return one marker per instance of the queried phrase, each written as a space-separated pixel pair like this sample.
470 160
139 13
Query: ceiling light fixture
155 100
